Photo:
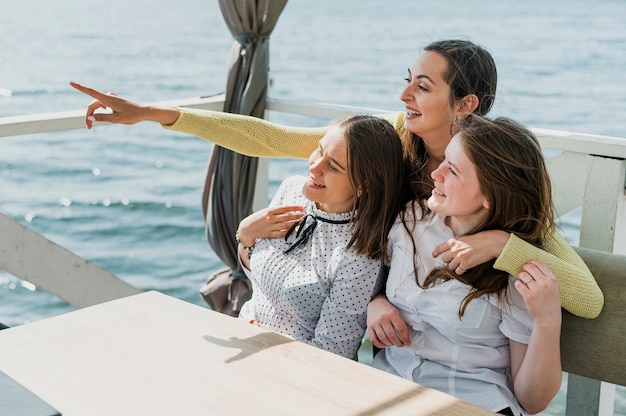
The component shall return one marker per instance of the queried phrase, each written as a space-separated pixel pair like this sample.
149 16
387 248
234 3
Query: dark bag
226 293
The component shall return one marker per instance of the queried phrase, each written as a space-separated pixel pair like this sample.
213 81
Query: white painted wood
582 143
67 120
568 174
151 354
33 258
619 245
604 189
75 119
606 406
316 109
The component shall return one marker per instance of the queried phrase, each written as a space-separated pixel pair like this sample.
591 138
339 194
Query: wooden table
151 354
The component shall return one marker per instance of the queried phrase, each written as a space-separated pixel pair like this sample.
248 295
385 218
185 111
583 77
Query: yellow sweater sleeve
580 293
253 136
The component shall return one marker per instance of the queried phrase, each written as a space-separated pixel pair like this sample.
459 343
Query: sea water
127 198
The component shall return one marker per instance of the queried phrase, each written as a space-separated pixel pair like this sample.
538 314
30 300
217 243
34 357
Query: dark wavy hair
376 172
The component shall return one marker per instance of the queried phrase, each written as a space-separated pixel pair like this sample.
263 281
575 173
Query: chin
432 204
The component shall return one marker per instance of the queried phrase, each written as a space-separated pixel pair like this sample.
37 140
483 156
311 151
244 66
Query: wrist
501 238
162 115
246 247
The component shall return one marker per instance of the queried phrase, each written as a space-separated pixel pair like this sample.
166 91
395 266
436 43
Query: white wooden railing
588 173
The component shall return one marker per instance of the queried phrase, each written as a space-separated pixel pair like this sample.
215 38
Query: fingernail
91 118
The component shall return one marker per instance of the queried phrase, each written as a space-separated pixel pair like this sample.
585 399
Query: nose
436 174
404 94
315 162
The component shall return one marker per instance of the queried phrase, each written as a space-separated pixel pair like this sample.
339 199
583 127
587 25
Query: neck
436 150
461 225
333 209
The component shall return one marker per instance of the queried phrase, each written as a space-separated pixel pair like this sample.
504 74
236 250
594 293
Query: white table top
151 354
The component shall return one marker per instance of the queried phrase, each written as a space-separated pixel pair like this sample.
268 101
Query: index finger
442 248
535 267
90 92
286 208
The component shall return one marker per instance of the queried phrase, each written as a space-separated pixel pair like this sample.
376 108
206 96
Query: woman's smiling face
457 193
429 113
328 184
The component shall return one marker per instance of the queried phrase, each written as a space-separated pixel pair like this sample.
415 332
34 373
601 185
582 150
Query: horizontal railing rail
598 145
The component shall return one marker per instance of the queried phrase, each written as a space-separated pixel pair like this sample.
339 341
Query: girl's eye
452 171
422 87
408 80
332 167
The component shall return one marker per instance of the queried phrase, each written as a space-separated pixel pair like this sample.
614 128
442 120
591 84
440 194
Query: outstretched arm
243 134
257 137
123 111
247 135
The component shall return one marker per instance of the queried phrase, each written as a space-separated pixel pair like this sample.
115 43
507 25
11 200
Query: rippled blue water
128 197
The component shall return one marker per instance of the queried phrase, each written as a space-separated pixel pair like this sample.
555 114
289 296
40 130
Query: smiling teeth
413 113
315 183
438 192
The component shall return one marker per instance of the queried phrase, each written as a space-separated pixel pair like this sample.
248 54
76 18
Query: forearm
162 115
580 293
253 136
248 135
539 377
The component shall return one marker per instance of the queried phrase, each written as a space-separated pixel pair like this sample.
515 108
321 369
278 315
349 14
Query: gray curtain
229 186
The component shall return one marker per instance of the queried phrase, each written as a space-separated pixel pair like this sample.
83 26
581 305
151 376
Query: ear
468 104
486 204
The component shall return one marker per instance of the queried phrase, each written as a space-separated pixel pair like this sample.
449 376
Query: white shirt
468 358
317 293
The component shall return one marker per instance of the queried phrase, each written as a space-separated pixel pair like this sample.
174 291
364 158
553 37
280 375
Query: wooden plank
35 259
592 144
155 355
568 174
75 119
603 193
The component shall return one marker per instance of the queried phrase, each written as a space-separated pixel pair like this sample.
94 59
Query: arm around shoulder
580 293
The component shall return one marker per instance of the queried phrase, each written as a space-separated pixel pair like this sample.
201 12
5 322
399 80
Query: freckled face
457 193
328 184
427 99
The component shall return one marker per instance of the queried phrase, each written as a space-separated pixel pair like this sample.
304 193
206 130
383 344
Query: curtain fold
229 187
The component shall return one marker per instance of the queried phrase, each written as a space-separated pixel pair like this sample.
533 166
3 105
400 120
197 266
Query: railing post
601 229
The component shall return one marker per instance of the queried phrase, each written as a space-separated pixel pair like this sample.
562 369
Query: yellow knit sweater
580 293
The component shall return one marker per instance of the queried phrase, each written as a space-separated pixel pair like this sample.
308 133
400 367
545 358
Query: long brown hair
471 70
514 178
376 172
